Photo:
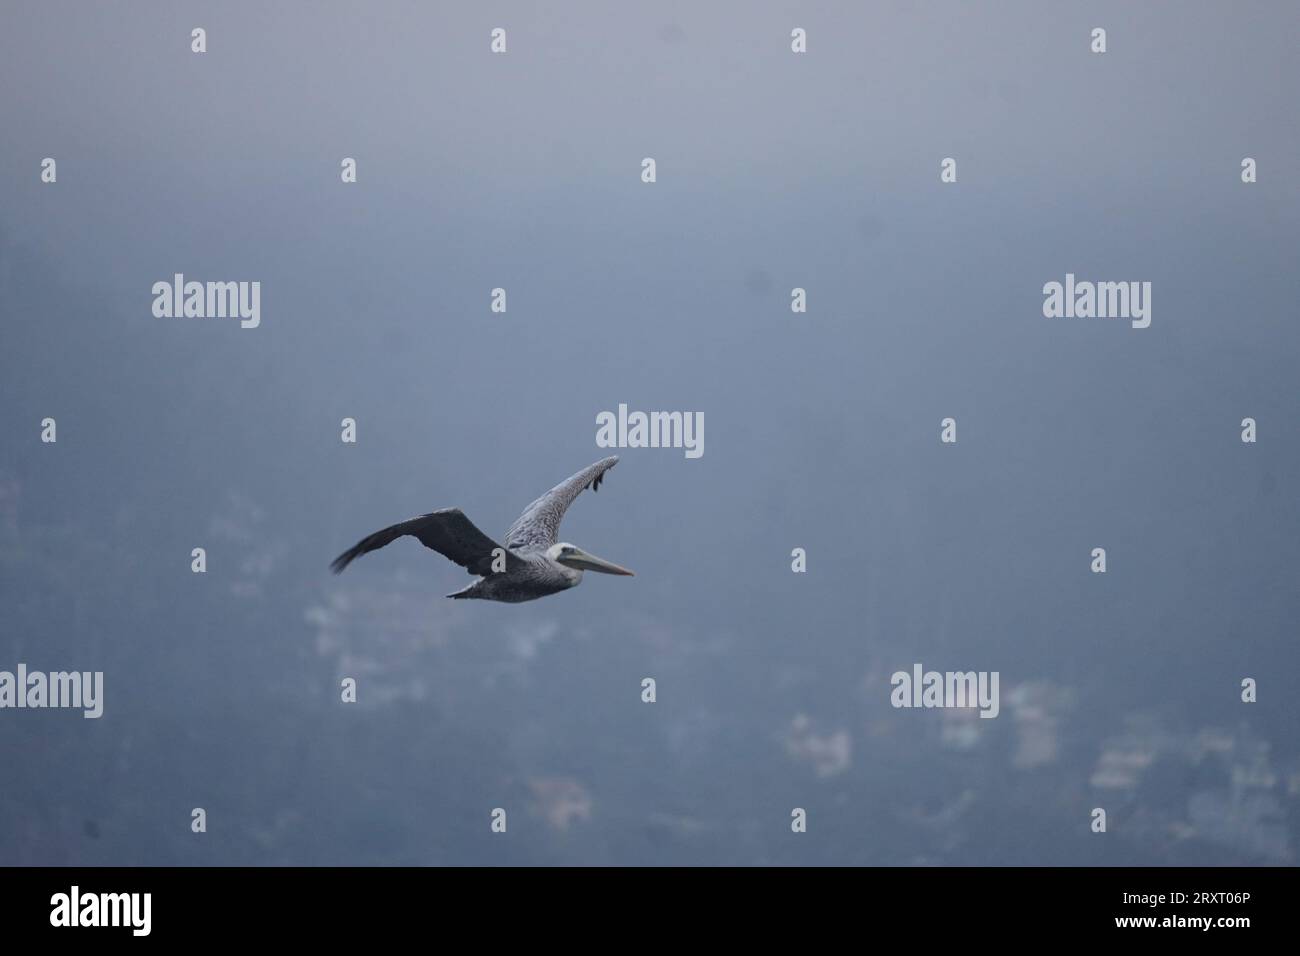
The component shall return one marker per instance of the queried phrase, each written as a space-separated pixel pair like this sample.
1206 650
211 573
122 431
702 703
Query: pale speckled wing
537 528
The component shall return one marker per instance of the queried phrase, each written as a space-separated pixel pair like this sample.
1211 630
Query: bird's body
532 564
535 577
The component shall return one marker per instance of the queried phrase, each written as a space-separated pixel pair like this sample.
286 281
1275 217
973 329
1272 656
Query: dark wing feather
538 526
448 532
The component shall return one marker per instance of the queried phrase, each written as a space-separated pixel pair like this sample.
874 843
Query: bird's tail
463 592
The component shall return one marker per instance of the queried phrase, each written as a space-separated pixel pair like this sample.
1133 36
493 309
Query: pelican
531 565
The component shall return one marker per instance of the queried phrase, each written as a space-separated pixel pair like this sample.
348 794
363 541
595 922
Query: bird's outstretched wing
448 532
538 526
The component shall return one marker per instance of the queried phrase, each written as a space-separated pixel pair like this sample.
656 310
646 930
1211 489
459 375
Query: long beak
589 562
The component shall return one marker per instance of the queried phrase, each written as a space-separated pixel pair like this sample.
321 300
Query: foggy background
775 170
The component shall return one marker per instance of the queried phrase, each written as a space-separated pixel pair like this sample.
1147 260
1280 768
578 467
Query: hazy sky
775 170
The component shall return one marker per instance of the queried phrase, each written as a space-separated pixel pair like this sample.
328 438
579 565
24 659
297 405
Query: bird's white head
572 556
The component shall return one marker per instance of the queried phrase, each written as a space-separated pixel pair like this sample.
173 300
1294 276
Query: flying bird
532 563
